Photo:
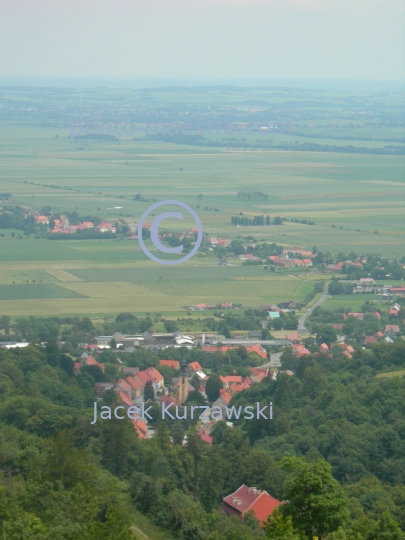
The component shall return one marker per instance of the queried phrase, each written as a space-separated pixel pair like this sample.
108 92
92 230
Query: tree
279 527
196 448
52 354
327 334
170 326
386 528
277 323
213 386
113 344
66 363
316 502
148 392
195 397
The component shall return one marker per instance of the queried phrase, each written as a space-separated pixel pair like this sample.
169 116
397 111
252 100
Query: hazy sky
309 39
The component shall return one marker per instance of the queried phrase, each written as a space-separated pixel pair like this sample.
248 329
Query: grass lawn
354 301
31 291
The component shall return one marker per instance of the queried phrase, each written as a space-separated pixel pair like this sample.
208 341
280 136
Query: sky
246 39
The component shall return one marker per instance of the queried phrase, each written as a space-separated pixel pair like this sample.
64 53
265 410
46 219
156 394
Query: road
301 323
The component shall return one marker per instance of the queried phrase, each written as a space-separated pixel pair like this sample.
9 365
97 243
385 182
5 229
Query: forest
334 451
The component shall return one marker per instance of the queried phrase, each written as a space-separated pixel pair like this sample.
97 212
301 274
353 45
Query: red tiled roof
231 379
194 366
153 375
206 438
174 364
134 383
226 396
124 398
143 378
370 339
293 337
140 427
392 327
93 362
168 399
245 499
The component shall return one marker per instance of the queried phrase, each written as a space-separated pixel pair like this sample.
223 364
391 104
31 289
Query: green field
354 301
32 291
349 196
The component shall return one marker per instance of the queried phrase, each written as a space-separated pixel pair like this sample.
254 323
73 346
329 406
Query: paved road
301 324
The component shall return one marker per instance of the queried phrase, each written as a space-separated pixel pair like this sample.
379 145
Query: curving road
301 323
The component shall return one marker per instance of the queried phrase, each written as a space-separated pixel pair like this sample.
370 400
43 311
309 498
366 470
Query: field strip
106 289
120 304
62 275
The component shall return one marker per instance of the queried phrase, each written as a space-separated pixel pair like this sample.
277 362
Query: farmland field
355 201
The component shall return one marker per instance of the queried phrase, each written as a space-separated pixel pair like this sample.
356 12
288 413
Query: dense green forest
334 451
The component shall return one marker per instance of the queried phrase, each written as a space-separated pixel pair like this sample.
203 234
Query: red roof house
356 315
370 340
174 364
247 499
193 367
140 427
391 329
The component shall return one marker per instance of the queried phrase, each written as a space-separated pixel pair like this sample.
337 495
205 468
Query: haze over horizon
194 40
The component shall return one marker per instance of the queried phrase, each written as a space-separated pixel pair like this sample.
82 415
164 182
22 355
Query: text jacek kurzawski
249 412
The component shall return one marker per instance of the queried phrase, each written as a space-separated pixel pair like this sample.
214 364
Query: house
192 368
166 400
154 377
135 385
223 400
86 360
247 499
370 340
359 316
205 437
300 350
125 399
279 261
226 305
334 267
142 379
141 428
393 312
380 334
258 374
378 315
102 387
337 326
391 329
174 364
293 337
257 334
230 379
42 219
274 314
367 281
323 347
249 257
